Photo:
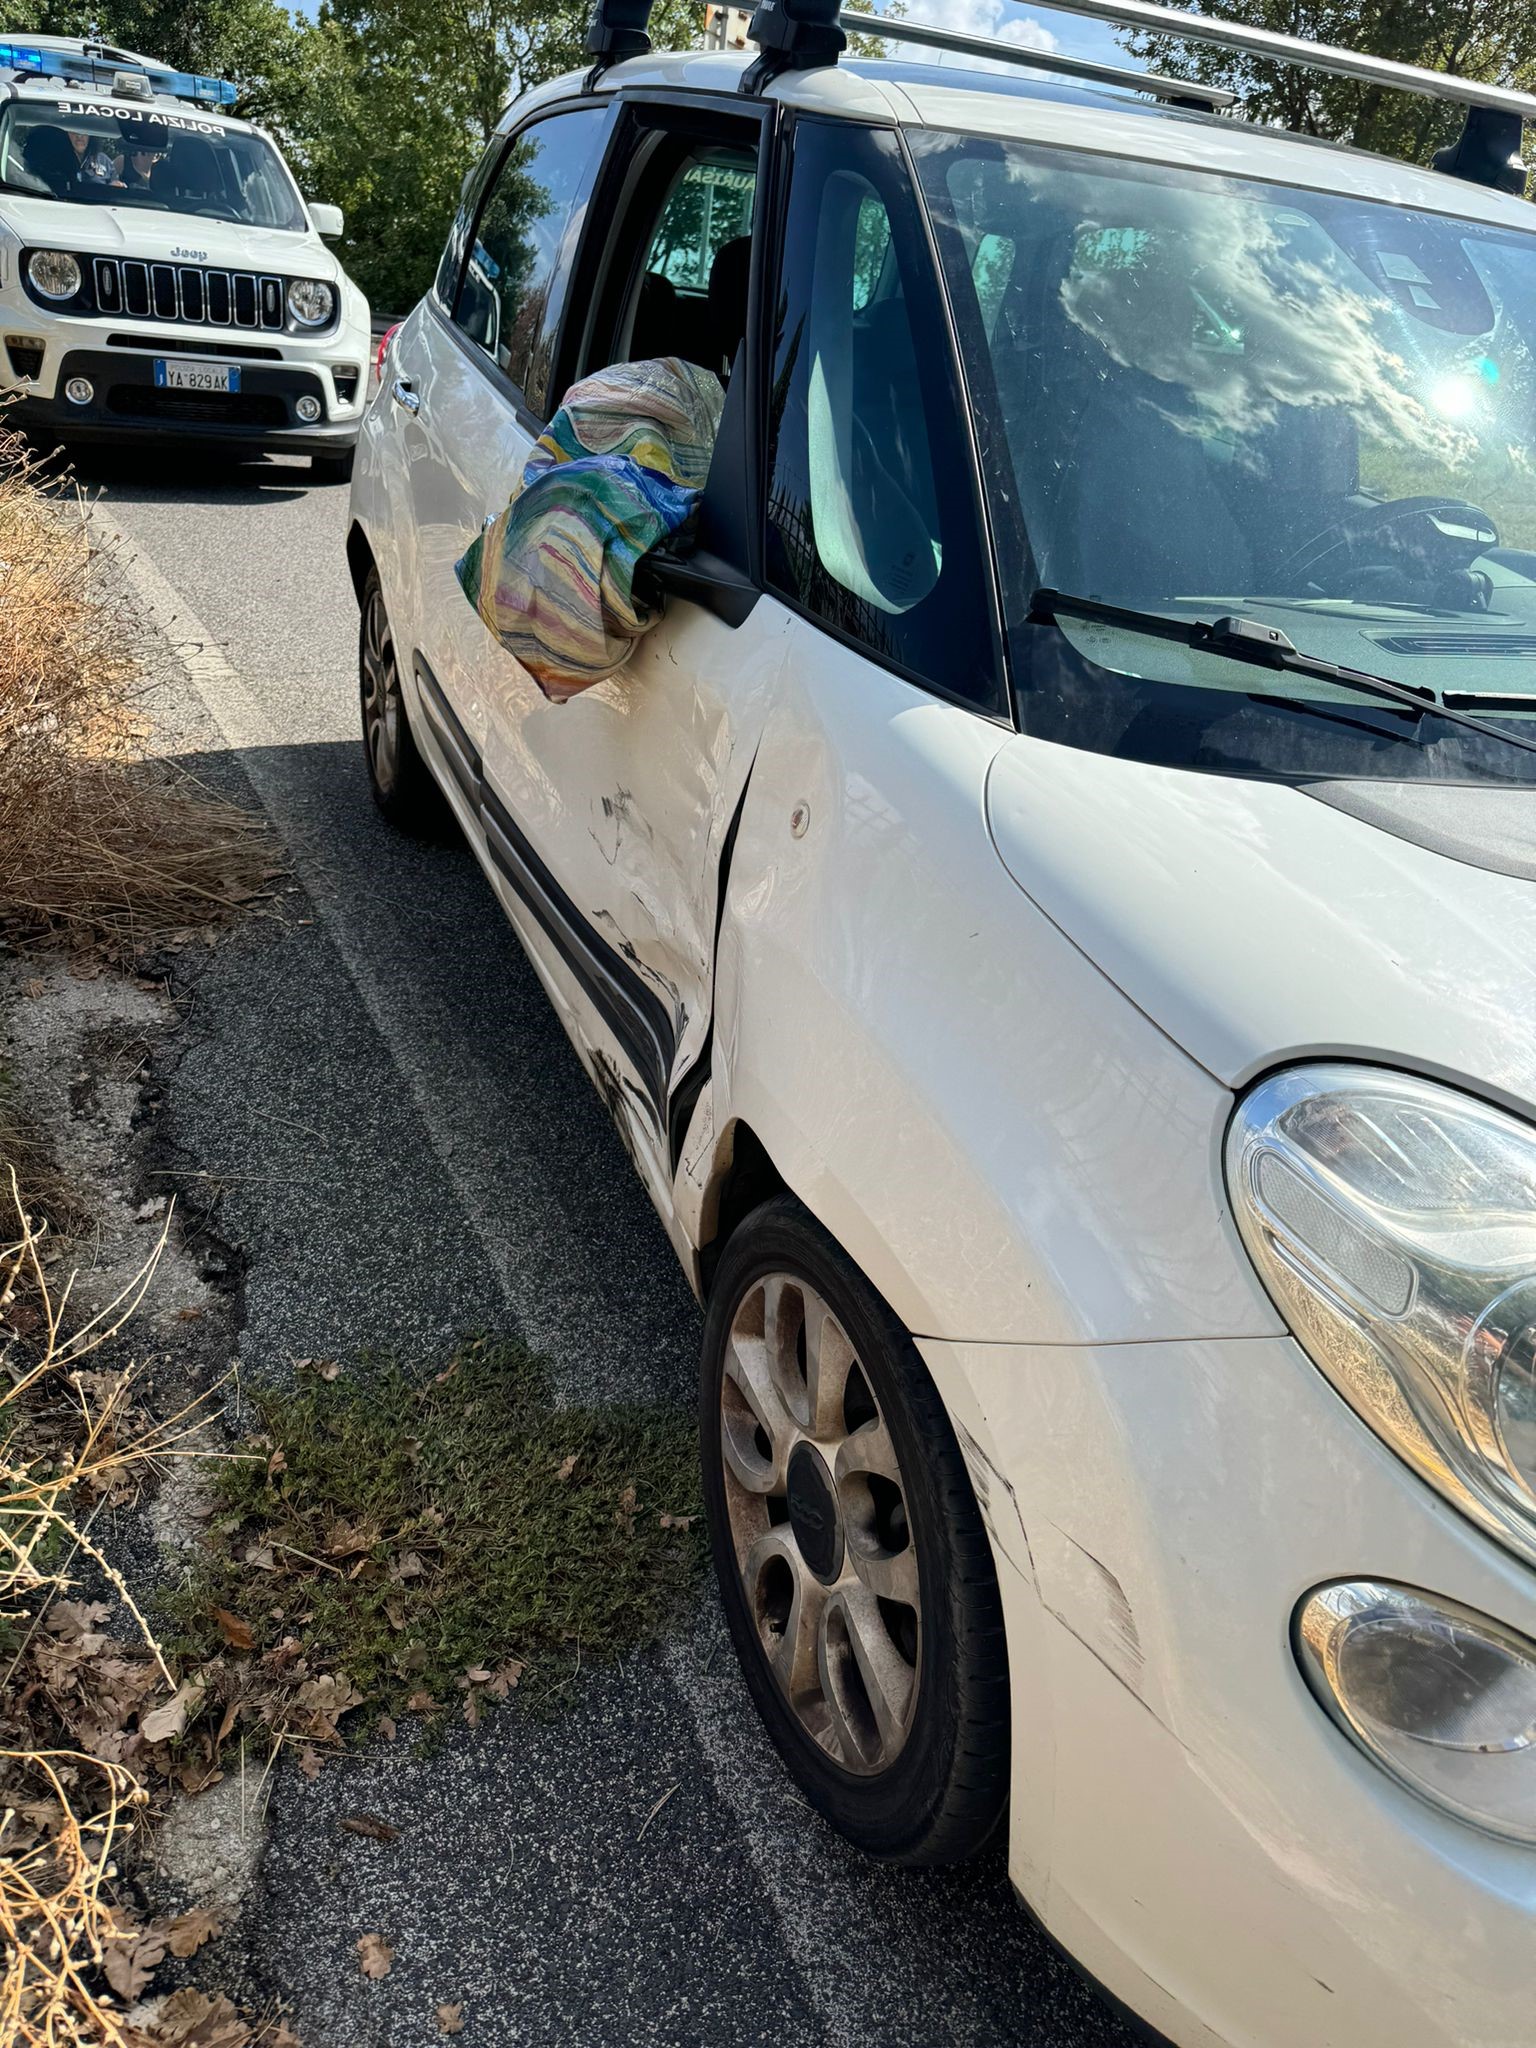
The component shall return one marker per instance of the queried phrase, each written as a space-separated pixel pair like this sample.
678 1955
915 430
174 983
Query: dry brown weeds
99 843
114 853
75 1956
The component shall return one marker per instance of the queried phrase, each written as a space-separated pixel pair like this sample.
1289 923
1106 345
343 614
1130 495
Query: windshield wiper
1260 646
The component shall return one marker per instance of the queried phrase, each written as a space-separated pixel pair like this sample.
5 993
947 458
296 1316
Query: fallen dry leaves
368 1825
188 1931
192 2019
374 1956
450 2019
73 1950
236 1633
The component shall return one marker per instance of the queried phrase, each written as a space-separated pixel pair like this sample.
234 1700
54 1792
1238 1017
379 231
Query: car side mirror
712 570
329 220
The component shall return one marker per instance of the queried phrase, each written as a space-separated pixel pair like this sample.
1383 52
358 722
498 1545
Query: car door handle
400 391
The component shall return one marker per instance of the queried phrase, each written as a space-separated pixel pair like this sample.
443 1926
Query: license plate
195 376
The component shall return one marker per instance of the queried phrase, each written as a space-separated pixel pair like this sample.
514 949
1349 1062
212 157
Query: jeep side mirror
329 220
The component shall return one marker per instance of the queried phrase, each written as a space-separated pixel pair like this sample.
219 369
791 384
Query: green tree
382 106
1486 39
398 98
257 43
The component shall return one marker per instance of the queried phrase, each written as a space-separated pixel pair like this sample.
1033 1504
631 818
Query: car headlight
53 273
1394 1223
1442 1698
310 302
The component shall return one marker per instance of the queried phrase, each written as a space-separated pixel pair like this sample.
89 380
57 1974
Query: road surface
410 1151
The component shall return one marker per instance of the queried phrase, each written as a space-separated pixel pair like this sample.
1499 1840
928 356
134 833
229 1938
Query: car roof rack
1488 149
1179 92
802 35
618 29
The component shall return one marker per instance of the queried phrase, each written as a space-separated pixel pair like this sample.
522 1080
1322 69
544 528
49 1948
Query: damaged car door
610 814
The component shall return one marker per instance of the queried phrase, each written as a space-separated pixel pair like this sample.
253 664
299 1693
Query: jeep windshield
156 158
1202 396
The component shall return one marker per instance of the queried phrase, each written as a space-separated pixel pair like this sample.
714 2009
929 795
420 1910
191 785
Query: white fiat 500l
1051 908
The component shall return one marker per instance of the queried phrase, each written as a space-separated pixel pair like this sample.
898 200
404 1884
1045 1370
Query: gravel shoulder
371 1103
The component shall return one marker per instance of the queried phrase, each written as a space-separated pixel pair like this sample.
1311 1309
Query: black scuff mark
624 946
617 1093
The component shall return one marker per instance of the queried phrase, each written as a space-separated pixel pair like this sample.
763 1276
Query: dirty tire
401 781
332 469
913 1768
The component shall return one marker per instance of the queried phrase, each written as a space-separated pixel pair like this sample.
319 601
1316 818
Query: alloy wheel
819 1525
380 681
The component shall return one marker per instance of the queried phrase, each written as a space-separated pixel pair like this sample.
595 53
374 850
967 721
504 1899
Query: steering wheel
1439 535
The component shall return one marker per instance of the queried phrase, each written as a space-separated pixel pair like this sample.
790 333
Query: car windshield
1201 396
174 162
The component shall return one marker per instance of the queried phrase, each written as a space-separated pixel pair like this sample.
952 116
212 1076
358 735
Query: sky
1037 27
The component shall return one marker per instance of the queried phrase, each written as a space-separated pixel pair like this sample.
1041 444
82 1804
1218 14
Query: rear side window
509 289
709 205
873 523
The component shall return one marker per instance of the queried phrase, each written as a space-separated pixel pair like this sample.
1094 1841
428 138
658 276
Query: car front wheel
853 1565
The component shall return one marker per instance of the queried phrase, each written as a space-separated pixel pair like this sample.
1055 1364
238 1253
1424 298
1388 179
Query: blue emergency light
85 69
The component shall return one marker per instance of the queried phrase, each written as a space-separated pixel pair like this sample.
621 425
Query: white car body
984 1003
114 346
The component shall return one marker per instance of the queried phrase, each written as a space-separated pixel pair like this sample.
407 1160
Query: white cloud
993 18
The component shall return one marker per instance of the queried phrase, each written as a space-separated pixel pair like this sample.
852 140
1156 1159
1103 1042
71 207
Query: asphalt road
409 1150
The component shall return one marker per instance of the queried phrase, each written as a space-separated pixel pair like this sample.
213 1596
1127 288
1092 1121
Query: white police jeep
159 271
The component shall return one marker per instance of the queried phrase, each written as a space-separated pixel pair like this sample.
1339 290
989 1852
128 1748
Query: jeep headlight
1394 1223
310 302
54 273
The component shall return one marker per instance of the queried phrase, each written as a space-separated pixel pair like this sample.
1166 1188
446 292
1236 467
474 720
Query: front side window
514 268
1204 397
872 522
90 155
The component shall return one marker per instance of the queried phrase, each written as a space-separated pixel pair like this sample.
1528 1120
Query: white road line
787 1847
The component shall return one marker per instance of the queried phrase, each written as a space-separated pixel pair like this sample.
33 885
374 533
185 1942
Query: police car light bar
90 67
1184 92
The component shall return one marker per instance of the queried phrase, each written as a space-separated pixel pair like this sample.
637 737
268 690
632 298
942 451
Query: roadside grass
113 854
417 1546
43 1191
100 845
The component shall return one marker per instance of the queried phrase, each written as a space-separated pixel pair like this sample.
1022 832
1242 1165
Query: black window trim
498 377
591 281
1001 710
609 192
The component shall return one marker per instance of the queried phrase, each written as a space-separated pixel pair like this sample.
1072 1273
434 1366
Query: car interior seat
49 157
656 327
888 401
729 281
1123 481
191 171
871 478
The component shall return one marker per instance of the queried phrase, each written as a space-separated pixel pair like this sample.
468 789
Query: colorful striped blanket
618 470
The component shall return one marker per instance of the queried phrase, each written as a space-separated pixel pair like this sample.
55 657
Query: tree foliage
383 105
1486 39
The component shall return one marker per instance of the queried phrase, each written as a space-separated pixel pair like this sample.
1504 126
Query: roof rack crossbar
618 29
1184 92
792 35
1282 49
